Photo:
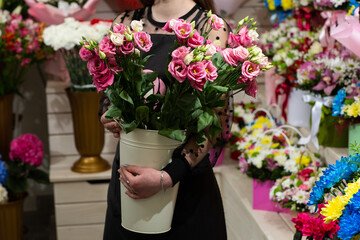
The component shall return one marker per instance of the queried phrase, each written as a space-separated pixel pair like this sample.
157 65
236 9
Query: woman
198 212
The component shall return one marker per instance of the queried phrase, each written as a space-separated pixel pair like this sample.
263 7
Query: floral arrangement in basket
314 228
324 5
21 45
243 115
55 11
338 188
347 105
26 155
66 38
199 75
293 191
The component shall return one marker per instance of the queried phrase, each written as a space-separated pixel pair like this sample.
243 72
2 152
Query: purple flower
328 82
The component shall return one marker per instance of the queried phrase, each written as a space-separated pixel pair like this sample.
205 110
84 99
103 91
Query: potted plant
88 132
26 155
16 57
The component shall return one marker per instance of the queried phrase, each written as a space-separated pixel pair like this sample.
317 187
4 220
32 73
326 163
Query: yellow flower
271 4
257 149
266 140
287 4
260 122
333 209
351 189
352 110
275 145
247 145
243 131
256 132
305 160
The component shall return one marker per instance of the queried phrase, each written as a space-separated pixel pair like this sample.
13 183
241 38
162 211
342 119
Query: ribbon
283 89
315 117
87 86
300 14
332 17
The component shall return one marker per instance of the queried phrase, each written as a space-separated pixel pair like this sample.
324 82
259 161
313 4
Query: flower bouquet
338 188
314 227
54 11
293 191
26 154
20 46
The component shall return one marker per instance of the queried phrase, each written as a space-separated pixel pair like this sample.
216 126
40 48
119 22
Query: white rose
211 50
3 194
137 26
117 39
253 34
188 58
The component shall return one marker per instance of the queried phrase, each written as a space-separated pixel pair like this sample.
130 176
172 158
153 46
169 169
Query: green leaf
17 185
221 89
200 138
150 76
189 102
205 119
298 235
128 127
176 134
112 112
142 114
39 176
125 96
196 113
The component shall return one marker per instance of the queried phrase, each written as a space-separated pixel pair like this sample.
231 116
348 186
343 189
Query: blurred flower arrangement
66 38
21 45
199 73
332 4
26 155
338 188
293 191
54 11
347 105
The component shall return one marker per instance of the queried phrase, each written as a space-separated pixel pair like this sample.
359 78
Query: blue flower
3 173
338 102
350 219
353 5
316 195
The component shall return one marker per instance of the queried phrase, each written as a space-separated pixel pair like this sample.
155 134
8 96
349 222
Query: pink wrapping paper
52 15
270 86
347 33
261 200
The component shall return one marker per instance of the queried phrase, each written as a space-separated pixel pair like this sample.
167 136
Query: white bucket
298 111
152 215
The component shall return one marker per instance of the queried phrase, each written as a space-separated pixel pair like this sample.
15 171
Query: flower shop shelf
243 222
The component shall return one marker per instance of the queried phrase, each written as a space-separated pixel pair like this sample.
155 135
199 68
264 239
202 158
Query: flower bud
88 47
208 15
193 24
102 55
207 57
128 36
137 52
192 33
198 58
188 58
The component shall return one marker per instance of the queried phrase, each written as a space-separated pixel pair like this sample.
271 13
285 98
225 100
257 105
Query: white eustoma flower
3 194
235 128
253 34
117 39
4 16
137 26
188 58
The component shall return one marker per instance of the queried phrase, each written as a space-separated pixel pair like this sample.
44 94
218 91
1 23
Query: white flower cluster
4 16
68 34
302 3
3 194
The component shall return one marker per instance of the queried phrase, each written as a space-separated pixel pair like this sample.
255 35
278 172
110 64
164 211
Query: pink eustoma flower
197 75
240 53
170 24
180 52
216 22
159 85
25 61
196 40
234 40
103 80
107 47
250 70
178 69
182 29
228 56
120 28
127 47
251 88
211 71
245 39
86 54
143 41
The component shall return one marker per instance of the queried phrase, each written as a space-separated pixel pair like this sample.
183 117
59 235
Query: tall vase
147 148
354 136
88 132
11 220
6 124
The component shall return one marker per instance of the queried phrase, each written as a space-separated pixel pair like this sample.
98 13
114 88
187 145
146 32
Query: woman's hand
111 126
142 182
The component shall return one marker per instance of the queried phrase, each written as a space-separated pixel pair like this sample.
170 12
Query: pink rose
228 56
107 47
240 53
120 28
304 187
216 22
234 40
195 40
143 41
251 88
86 54
245 39
170 24
25 61
182 29
197 75
180 52
178 69
250 70
212 49
127 47
211 71
28 148
103 80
